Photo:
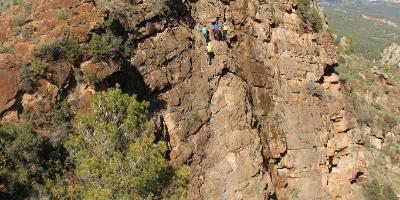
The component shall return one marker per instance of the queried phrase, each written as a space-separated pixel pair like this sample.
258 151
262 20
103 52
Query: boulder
9 81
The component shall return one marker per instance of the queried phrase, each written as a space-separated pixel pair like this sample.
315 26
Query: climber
225 31
209 52
205 32
268 35
217 30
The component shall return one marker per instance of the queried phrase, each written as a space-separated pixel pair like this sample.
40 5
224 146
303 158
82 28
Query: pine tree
116 157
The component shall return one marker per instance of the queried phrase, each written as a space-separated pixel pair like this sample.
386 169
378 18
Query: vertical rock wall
266 120
249 124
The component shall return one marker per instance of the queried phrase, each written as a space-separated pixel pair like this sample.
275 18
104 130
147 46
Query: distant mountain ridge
393 1
373 25
381 20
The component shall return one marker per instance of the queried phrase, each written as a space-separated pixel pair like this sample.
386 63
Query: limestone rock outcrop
391 55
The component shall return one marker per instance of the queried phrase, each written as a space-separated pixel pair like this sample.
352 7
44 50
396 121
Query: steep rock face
248 124
266 120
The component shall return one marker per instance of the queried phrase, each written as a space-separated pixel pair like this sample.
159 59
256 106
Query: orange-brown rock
9 81
100 70
59 73
249 125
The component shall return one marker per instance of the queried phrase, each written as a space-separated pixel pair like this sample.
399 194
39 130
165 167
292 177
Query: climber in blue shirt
205 32
217 26
217 30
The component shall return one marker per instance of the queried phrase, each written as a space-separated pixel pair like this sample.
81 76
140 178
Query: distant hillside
388 10
370 34
381 21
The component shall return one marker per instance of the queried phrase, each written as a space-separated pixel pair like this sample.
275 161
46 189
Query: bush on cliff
310 14
378 190
29 164
29 73
20 18
66 48
105 46
116 157
355 73
315 89
53 124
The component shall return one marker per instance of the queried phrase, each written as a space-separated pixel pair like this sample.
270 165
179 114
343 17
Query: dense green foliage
53 124
72 49
30 71
310 14
64 48
112 156
105 46
28 164
116 158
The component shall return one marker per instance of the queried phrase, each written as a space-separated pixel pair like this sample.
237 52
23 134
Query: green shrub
73 50
26 33
315 89
38 67
115 149
315 19
6 48
30 164
26 79
342 60
20 18
276 20
194 118
51 51
366 141
62 15
346 45
364 118
389 121
63 48
378 190
54 124
392 149
294 193
310 15
105 46
363 110
29 73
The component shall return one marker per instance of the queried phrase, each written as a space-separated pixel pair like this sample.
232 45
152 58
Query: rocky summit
268 118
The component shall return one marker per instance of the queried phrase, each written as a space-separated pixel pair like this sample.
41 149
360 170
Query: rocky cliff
391 55
266 120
